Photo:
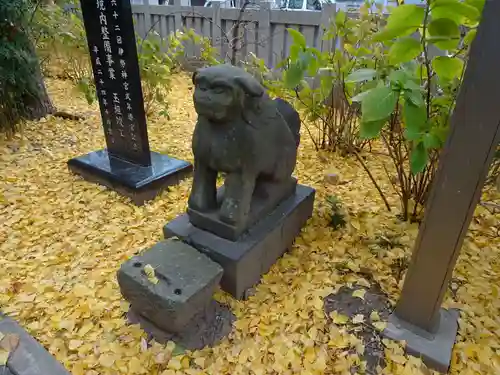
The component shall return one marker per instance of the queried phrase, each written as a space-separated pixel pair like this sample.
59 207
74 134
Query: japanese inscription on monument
111 39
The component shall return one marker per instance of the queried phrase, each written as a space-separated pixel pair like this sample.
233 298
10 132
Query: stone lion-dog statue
251 138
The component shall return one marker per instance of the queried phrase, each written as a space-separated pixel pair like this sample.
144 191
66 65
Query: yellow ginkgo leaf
380 325
374 316
107 360
74 344
150 273
338 318
359 318
4 356
360 293
174 364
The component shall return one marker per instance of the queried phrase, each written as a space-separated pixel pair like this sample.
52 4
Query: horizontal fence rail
261 30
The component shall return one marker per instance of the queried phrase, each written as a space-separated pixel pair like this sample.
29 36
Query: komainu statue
249 137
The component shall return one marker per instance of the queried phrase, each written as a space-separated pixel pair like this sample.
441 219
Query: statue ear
193 78
250 85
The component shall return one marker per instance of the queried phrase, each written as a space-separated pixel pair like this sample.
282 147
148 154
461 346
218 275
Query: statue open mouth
210 111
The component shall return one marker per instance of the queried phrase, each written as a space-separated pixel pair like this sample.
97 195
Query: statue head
224 92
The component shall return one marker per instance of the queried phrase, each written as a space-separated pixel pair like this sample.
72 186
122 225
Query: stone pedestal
436 348
244 261
137 182
186 281
264 200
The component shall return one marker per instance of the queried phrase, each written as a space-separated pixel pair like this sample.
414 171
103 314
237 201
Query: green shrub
156 61
337 214
20 80
407 99
62 46
327 105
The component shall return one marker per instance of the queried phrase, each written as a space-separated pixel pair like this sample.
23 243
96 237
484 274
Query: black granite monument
127 165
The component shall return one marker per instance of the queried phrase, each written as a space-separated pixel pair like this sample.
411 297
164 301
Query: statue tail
291 117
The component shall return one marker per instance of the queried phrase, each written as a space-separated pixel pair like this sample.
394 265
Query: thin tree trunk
41 105
26 97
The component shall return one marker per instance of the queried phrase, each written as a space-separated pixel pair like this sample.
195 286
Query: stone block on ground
206 328
185 282
244 261
30 357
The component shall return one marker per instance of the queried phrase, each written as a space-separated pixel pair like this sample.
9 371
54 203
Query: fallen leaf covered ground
62 240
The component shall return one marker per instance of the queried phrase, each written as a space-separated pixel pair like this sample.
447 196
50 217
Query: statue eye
202 86
218 90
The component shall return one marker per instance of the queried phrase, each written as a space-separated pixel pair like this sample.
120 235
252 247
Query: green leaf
452 8
298 37
371 129
406 15
444 33
378 104
402 21
415 97
360 96
441 133
361 75
415 117
447 68
312 67
418 158
398 78
388 34
469 37
478 4
411 134
294 52
293 75
404 49
412 85
340 18
443 12
431 141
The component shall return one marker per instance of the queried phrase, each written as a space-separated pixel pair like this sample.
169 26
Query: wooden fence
262 30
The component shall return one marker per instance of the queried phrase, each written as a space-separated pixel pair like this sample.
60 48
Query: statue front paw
229 212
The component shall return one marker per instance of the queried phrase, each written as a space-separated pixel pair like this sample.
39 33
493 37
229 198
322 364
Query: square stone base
186 281
137 182
244 261
435 349
30 358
